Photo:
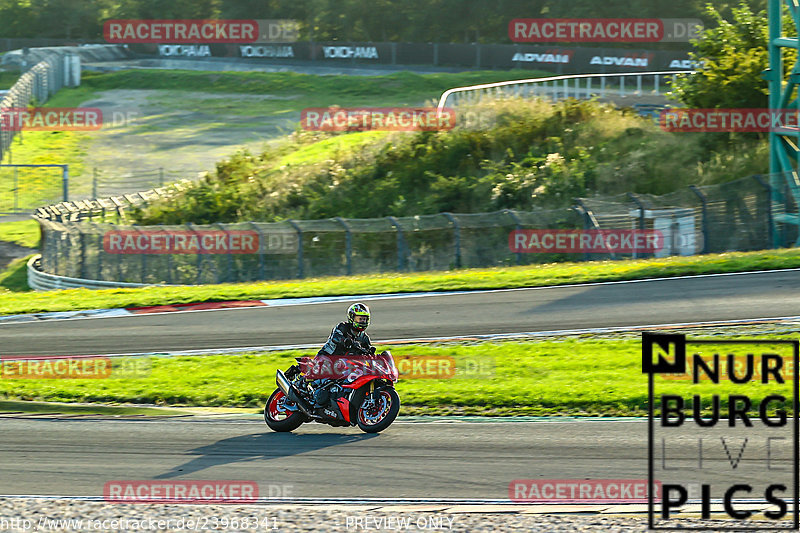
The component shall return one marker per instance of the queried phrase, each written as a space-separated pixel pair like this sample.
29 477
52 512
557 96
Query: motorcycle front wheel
378 414
277 417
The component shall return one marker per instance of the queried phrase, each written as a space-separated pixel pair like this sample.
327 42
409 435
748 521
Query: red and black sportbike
338 390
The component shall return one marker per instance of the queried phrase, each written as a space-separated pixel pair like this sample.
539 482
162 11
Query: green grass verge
8 78
15 277
468 279
22 232
569 377
41 186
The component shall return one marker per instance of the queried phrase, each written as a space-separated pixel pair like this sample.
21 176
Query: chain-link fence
734 216
80 242
220 253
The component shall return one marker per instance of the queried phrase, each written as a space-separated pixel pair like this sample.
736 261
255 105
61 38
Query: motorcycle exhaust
291 393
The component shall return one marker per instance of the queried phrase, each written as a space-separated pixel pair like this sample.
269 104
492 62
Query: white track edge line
374 501
452 338
346 298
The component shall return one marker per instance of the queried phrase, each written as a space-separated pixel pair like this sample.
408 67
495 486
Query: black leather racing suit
344 338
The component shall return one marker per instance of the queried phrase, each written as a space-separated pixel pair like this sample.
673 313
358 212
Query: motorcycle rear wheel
278 419
382 415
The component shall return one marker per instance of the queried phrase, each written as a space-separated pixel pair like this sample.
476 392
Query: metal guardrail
42 281
557 87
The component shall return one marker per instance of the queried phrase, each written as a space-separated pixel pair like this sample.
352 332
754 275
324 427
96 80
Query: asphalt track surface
445 459
704 298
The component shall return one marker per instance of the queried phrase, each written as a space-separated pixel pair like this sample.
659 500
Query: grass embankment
40 186
569 377
502 154
21 232
211 97
15 277
8 78
468 279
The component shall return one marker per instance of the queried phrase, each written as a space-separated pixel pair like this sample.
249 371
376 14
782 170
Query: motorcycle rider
349 336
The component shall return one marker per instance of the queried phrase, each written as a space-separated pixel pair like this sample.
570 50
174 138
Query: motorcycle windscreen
349 367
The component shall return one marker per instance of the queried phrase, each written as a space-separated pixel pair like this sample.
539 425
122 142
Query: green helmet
358 310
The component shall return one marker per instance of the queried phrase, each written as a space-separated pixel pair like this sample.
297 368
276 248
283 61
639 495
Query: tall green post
783 142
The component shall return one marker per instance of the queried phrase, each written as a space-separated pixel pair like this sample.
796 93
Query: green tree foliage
734 55
457 21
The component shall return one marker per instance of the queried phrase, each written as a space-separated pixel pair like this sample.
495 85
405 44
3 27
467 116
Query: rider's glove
372 350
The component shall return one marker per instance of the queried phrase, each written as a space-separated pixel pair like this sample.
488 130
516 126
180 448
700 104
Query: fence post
65 181
119 267
82 238
772 230
57 242
401 255
261 250
299 248
589 222
518 223
704 211
94 182
348 239
199 265
144 259
227 277
641 216
100 251
456 238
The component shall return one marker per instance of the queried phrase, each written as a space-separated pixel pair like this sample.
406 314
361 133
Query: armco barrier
42 281
579 86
